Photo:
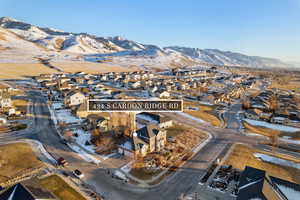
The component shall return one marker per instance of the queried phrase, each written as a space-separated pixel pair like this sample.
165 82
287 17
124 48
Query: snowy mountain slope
228 58
56 45
126 44
58 40
13 46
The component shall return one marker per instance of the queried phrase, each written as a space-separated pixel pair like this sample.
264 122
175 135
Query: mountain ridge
60 44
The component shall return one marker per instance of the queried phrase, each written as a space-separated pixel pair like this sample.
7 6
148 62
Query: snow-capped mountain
56 44
228 58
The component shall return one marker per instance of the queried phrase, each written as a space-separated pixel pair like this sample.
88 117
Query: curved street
184 180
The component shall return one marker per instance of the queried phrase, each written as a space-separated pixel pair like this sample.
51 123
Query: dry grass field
242 156
60 188
19 102
2 37
269 132
285 82
16 159
206 116
204 112
260 130
21 70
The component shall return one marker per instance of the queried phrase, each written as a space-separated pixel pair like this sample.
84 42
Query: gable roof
71 93
251 183
138 143
256 183
29 191
147 132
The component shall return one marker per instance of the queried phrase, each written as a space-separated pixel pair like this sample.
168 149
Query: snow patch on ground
57 105
66 116
84 155
83 137
290 141
147 118
277 161
126 168
120 175
271 126
255 134
290 193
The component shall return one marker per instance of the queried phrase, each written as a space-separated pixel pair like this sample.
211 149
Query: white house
164 94
74 98
136 84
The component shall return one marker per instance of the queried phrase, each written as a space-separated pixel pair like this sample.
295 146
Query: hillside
23 42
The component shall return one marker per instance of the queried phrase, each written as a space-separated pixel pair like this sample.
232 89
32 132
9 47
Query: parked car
78 174
61 161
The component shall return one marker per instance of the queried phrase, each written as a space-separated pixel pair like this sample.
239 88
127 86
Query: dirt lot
60 188
12 160
242 156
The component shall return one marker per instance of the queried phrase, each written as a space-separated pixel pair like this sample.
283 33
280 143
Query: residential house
164 94
5 100
136 85
154 136
27 190
64 86
74 98
96 121
148 139
162 121
258 184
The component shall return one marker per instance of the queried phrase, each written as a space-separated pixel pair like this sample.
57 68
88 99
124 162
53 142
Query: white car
78 174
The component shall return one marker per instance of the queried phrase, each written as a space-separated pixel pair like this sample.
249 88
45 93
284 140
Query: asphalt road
184 180
181 182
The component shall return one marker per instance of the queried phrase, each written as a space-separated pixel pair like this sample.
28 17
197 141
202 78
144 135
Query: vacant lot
16 159
206 116
20 104
268 132
204 112
260 130
242 156
286 85
175 130
60 188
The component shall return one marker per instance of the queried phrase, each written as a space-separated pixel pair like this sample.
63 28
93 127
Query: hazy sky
254 27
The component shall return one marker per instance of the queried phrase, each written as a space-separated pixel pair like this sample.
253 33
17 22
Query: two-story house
74 98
